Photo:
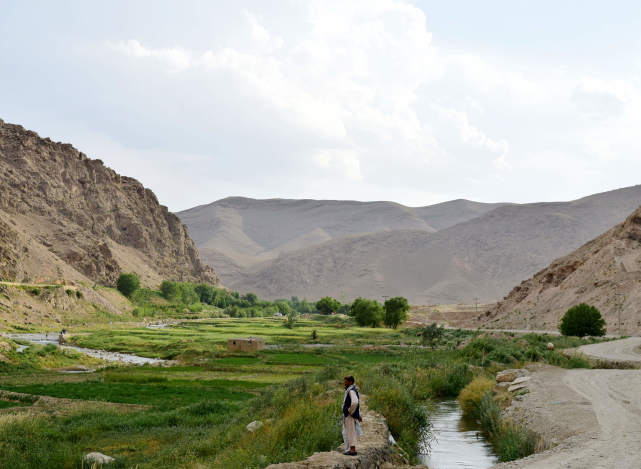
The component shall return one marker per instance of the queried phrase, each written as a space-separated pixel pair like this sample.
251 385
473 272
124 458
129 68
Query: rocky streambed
52 338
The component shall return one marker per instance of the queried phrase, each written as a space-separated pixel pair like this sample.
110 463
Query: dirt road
625 350
594 415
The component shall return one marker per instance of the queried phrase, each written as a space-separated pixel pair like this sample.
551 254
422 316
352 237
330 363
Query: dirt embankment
589 417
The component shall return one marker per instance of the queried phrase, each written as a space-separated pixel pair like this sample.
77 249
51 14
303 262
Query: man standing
351 416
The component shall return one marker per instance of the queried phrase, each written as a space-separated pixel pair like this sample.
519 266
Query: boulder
510 375
503 384
520 380
516 387
98 458
253 426
550 346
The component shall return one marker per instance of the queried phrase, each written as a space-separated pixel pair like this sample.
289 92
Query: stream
52 338
456 442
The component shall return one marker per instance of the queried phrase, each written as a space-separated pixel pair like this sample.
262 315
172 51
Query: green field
194 412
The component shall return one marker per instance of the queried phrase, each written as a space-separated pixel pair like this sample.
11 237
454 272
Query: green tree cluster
582 320
367 312
328 305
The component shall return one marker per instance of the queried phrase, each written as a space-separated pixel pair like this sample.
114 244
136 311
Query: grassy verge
510 440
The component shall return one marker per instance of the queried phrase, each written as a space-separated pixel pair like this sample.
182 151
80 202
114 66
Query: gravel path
593 417
625 350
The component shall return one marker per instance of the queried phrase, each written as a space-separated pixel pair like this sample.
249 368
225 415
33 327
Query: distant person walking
351 417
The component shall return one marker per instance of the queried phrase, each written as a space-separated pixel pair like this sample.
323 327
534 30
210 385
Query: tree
582 320
432 334
396 311
328 305
169 290
206 293
292 316
367 312
128 283
283 307
251 298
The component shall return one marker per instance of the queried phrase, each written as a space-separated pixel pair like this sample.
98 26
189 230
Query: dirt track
596 414
625 350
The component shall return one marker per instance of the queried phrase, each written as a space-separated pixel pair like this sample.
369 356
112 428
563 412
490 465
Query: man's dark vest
348 402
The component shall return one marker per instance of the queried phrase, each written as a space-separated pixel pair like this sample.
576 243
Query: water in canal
456 443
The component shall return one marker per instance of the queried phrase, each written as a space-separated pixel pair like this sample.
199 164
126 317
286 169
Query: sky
416 102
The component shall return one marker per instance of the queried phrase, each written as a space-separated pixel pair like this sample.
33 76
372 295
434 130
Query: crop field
193 412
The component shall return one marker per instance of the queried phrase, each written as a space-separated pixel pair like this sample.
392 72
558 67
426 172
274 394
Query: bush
431 334
367 312
582 320
472 394
128 283
395 311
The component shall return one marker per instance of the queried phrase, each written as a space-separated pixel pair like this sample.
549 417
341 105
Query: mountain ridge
483 256
67 216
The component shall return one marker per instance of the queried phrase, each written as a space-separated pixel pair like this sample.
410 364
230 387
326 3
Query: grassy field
195 411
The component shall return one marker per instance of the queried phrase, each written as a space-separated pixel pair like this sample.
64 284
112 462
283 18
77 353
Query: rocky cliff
605 272
64 216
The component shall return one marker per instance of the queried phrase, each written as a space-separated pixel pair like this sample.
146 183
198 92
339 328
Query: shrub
472 394
395 311
582 320
431 334
128 283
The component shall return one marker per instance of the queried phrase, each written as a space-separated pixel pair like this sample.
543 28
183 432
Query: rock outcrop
605 272
60 208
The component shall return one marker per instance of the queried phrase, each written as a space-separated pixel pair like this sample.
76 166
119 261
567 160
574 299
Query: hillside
605 272
237 233
67 218
482 257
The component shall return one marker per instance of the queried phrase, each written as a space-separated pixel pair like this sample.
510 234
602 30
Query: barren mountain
482 257
605 272
237 232
64 216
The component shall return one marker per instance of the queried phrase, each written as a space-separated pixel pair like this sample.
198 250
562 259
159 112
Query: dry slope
605 272
482 257
64 216
237 232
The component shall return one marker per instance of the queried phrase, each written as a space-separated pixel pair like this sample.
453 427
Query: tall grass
510 440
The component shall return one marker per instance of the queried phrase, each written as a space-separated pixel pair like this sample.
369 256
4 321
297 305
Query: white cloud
343 100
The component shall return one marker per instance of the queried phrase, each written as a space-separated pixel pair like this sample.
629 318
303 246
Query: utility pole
620 300
476 304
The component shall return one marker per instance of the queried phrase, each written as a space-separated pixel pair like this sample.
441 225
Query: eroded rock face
86 214
605 273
